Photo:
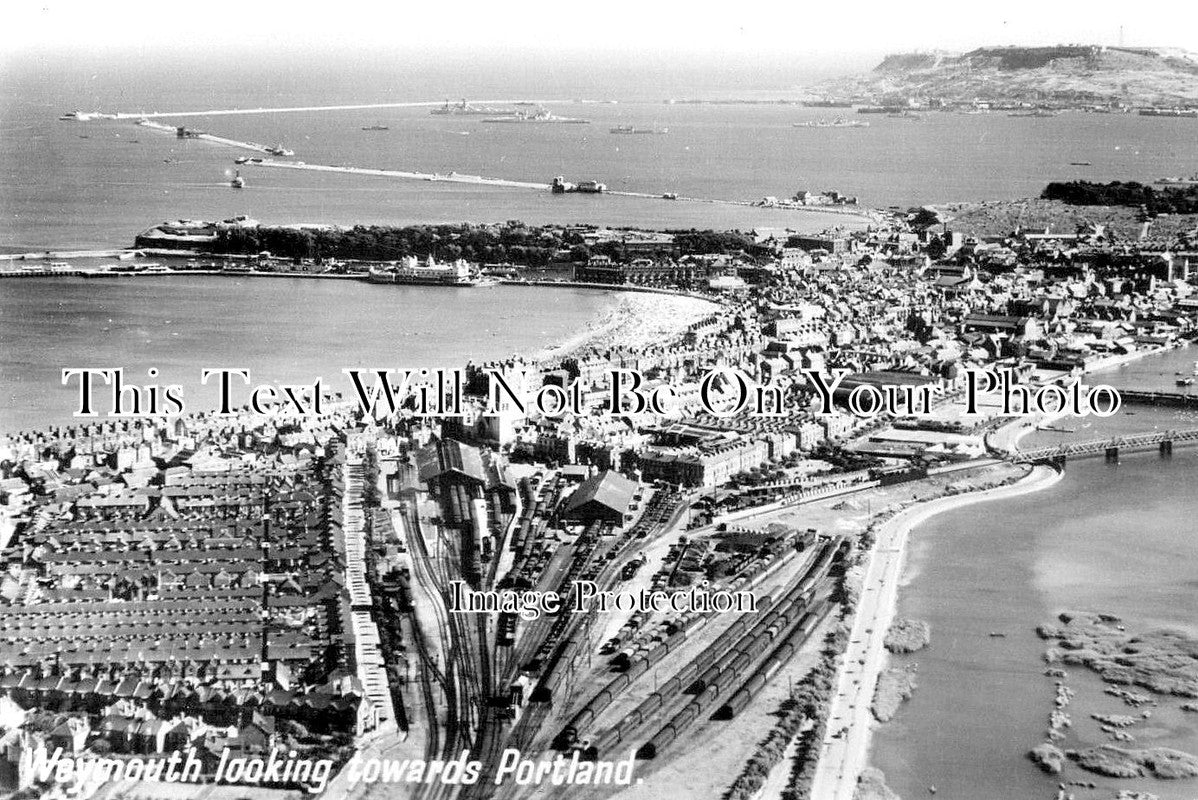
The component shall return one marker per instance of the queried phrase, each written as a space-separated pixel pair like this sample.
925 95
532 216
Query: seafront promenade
845 747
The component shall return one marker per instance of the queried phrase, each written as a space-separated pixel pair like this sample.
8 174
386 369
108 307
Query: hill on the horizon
1073 74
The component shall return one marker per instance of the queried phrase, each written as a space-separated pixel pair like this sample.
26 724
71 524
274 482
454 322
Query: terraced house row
206 607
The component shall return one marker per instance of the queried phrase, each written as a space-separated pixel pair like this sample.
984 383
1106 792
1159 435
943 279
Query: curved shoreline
630 316
843 757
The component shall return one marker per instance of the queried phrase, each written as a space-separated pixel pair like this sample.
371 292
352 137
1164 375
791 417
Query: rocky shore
896 685
1048 757
908 636
1165 663
871 785
1118 762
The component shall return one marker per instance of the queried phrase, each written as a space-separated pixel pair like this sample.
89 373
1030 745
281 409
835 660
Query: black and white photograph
603 401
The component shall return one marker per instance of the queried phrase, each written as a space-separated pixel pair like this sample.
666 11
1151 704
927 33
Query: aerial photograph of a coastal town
612 401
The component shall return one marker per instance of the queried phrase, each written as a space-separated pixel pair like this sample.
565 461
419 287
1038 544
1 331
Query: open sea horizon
67 185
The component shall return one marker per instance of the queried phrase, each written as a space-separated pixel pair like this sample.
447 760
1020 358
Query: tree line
1168 200
513 243
528 246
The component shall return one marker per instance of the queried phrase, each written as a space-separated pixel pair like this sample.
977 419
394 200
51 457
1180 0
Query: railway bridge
1109 448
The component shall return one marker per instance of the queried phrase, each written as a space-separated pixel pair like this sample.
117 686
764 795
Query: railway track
443 675
718 667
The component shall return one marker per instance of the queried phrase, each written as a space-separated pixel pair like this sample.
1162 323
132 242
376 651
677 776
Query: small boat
375 128
1080 164
997 635
238 182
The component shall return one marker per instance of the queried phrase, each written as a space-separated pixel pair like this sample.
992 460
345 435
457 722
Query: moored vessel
542 115
412 271
559 185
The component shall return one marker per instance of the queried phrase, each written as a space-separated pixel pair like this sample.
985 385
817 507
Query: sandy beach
850 722
637 320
